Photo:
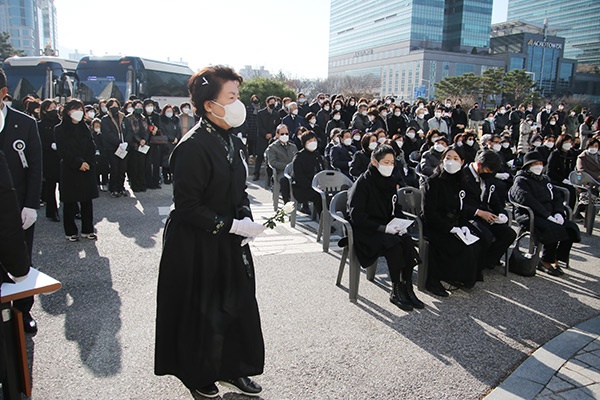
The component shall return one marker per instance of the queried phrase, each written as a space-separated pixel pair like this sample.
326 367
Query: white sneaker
91 236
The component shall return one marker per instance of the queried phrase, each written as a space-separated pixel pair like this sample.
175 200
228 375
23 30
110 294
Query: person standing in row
116 138
266 122
78 184
51 160
169 126
136 165
157 143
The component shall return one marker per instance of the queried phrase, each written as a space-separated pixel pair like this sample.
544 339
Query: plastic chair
585 182
328 184
288 172
338 211
276 189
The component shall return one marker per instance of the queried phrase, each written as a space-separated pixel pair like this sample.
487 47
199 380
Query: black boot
412 296
399 297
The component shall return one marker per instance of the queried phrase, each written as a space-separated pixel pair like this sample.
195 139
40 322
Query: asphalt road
96 335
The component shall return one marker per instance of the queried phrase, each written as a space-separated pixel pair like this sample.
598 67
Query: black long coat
75 146
50 157
207 320
306 165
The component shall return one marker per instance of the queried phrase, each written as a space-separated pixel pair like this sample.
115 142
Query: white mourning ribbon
19 147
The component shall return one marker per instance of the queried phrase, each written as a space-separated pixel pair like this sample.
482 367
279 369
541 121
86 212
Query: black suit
266 121
27 181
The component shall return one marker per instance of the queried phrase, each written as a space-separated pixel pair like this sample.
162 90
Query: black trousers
24 305
496 239
50 196
118 167
136 171
284 189
557 239
400 261
153 163
87 217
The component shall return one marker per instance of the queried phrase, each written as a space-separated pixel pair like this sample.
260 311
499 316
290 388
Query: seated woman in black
561 163
405 173
307 163
372 207
362 158
342 153
557 234
450 258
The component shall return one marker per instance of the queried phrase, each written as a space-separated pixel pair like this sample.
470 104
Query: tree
517 86
6 48
263 88
464 87
491 84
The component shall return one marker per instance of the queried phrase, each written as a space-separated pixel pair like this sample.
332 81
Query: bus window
129 83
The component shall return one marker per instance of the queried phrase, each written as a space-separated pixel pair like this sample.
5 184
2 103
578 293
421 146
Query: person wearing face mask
137 130
412 143
546 148
303 107
187 120
432 136
338 105
334 140
437 122
396 122
526 133
293 120
210 299
307 163
78 185
324 114
571 123
335 122
169 126
51 160
489 126
322 137
249 128
561 162
470 146
459 119
420 122
362 157
506 152
267 120
501 120
554 230
158 145
404 174
544 115
551 128
102 159
90 114
102 109
350 108
431 158
342 154
360 120
33 109
279 154
475 116
516 117
450 259
374 120
589 162
115 136
485 199
372 207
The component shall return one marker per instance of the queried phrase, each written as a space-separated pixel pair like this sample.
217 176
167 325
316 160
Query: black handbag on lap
521 262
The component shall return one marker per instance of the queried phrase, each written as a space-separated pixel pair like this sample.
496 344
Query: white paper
121 153
144 149
464 234
400 224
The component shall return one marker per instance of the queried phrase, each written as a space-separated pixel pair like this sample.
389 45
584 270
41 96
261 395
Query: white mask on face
356 138
338 107
364 113
400 143
470 142
593 150
326 108
284 138
104 109
383 114
311 146
451 166
435 139
549 144
295 112
552 122
77 115
8 103
459 144
506 145
566 146
438 115
348 141
385 170
91 114
337 117
185 110
371 118
352 104
536 169
373 145
149 110
410 135
381 140
496 147
439 148
169 114
397 113
537 144
235 113
129 110
97 130
312 121
420 116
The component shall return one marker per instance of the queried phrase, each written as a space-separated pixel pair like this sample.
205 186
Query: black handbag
522 262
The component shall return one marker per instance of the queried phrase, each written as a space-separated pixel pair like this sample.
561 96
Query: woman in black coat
169 126
102 163
450 259
362 158
307 163
554 230
207 321
372 206
561 163
335 122
342 154
51 160
396 123
77 151
115 135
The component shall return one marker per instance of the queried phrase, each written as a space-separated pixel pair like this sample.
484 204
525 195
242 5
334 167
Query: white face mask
373 145
400 143
312 121
593 150
91 114
352 104
385 170
185 110
338 107
537 144
295 112
284 138
381 140
364 113
459 144
235 113
506 145
169 114
97 130
388 102
383 114
552 122
536 169
371 118
566 146
326 108
470 142
496 147
439 148
77 115
549 144
451 166
311 146
435 139
438 115
448 105
337 117
356 138
8 103
502 112
302 101
149 110
347 142
410 135
104 109
397 113
129 110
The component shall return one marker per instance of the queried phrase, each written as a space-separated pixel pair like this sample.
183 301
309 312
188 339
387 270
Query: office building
579 21
31 24
404 46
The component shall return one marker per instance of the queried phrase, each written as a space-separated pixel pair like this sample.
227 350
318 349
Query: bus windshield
103 80
30 80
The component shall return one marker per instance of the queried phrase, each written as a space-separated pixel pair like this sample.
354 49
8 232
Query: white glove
401 232
566 182
559 218
391 229
28 217
246 228
502 219
53 146
552 219
123 145
349 163
246 241
503 175
18 279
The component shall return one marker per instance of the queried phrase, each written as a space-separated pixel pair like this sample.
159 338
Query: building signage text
549 45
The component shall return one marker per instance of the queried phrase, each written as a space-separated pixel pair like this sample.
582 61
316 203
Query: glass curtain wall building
30 23
578 20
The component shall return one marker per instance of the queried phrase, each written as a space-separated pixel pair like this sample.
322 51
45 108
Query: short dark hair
69 106
162 112
270 98
382 151
45 105
307 136
365 140
489 159
565 137
112 101
206 84
185 104
592 142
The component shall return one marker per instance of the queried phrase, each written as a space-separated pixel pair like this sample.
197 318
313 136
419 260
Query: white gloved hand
28 217
566 182
552 219
391 229
559 218
502 219
246 228
17 279
53 146
123 145
503 175
246 241
349 163
402 232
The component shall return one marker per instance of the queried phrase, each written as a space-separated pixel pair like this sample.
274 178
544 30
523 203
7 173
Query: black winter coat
266 123
113 135
360 163
50 157
537 193
75 146
306 165
341 156
396 125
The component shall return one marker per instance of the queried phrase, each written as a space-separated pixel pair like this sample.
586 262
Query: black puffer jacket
537 193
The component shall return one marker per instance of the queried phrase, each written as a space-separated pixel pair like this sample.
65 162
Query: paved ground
96 335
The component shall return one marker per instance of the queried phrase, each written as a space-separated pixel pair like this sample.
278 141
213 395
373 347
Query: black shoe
577 217
399 297
559 270
305 210
209 391
255 178
436 288
123 193
550 271
29 324
115 194
244 384
412 296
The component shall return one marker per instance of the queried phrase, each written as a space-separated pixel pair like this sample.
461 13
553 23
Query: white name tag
121 153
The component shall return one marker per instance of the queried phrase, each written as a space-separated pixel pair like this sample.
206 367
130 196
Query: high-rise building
578 20
405 46
30 23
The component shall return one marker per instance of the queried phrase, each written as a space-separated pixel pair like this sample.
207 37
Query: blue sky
287 35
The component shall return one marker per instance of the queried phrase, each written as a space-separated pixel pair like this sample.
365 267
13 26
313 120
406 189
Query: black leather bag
520 261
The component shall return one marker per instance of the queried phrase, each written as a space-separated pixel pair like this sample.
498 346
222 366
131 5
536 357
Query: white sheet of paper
143 149
401 224
465 235
121 153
